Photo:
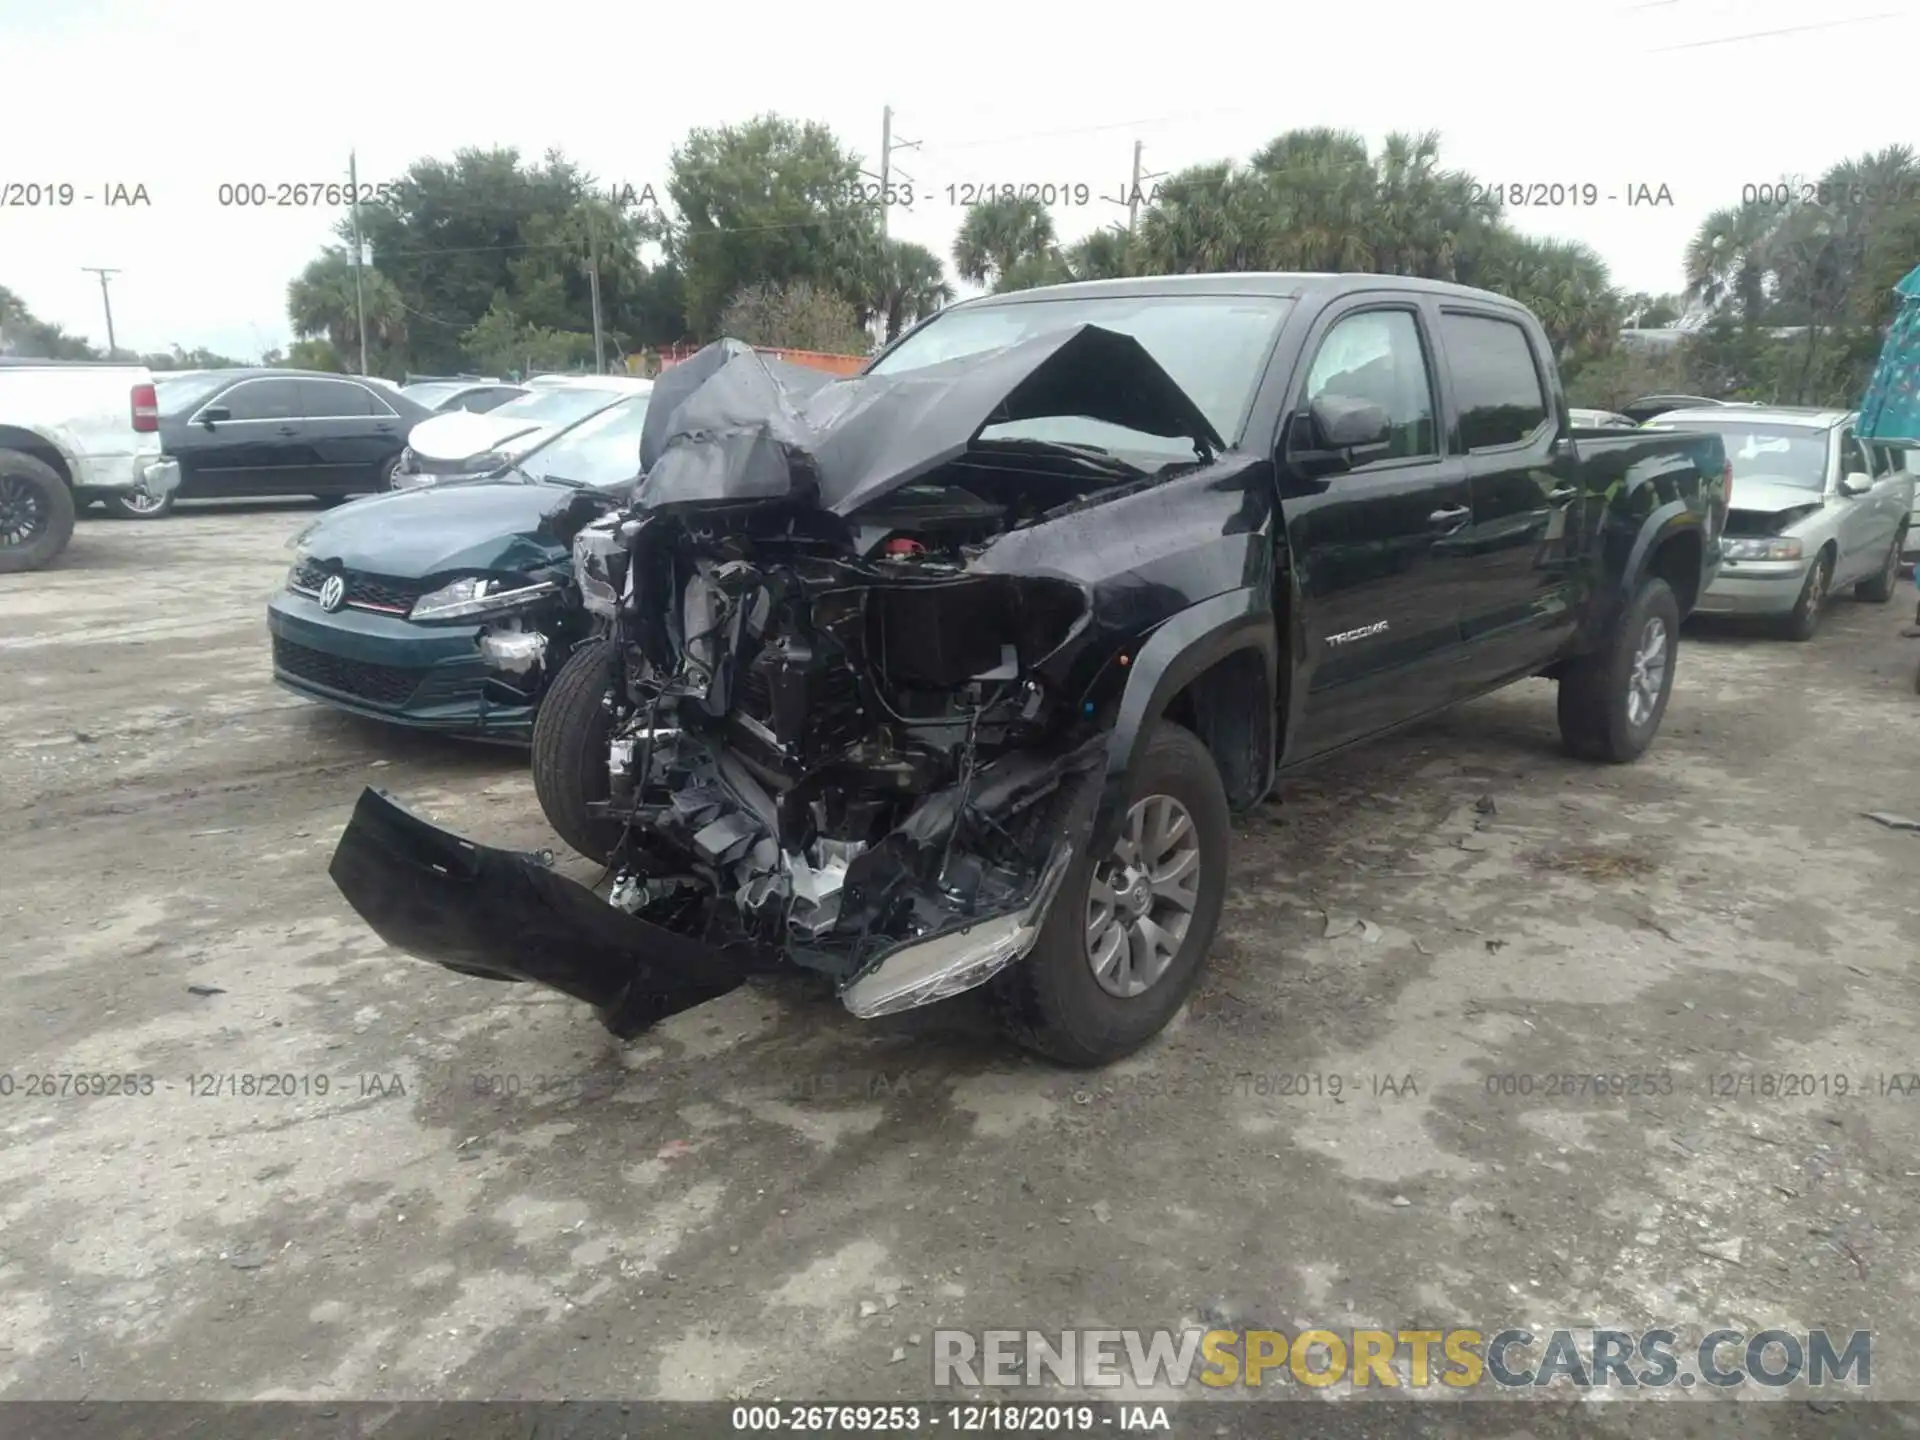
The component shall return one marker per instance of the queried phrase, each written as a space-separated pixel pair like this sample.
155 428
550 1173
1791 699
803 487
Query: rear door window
1496 380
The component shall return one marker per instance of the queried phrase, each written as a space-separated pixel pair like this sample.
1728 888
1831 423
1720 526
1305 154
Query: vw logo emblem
333 594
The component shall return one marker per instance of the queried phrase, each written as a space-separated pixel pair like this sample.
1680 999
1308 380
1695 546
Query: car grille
364 592
382 684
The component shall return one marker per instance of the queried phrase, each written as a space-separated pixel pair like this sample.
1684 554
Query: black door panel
1520 552
255 449
1378 569
354 434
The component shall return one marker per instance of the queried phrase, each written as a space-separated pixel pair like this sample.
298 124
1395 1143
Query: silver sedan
1814 509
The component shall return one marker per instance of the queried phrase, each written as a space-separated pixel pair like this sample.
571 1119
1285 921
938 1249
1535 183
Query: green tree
502 342
24 334
795 315
317 353
769 201
322 302
1001 234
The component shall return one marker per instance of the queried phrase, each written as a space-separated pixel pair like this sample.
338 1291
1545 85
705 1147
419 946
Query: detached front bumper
1754 587
503 915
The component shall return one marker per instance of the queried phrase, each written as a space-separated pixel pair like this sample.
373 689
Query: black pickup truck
952 673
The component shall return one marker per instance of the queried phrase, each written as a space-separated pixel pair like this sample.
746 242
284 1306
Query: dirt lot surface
768 1198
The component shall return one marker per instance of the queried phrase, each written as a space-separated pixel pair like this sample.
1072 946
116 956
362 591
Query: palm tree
999 233
1728 259
321 301
910 285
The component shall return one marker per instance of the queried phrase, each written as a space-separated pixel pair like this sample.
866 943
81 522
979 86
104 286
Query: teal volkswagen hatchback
451 607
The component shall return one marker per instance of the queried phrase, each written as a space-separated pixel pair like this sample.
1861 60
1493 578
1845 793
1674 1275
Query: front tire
1879 590
1114 962
36 513
1611 701
1803 621
570 736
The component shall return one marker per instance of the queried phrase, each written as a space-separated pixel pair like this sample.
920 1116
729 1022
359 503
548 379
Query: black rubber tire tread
47 546
1592 702
1803 623
570 735
1048 1002
1879 590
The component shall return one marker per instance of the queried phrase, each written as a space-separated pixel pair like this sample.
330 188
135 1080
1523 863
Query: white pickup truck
71 433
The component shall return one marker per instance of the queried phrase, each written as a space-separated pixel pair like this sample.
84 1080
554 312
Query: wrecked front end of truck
840 731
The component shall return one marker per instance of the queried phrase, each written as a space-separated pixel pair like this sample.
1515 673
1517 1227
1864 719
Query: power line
1768 34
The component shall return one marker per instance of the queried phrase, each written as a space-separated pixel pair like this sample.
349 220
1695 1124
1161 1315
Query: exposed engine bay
844 751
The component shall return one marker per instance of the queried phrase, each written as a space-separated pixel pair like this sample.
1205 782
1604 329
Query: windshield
1214 346
602 451
183 392
557 407
1793 455
434 394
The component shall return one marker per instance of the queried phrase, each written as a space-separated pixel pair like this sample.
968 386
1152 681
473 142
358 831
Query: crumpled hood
418 534
463 434
738 427
1769 497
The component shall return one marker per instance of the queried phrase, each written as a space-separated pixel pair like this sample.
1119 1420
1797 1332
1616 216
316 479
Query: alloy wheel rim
23 511
1816 589
1141 899
141 503
1649 674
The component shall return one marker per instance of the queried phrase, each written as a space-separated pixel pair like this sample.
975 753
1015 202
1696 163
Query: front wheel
1128 933
1879 590
36 513
1612 700
570 737
1804 619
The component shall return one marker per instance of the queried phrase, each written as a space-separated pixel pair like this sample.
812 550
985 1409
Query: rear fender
1671 519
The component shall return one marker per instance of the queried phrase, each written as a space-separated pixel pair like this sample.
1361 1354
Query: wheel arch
1212 668
32 442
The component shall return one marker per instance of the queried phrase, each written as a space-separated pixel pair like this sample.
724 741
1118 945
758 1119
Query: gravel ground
495 1200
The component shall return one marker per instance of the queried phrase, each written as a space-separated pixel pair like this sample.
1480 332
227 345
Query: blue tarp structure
1891 408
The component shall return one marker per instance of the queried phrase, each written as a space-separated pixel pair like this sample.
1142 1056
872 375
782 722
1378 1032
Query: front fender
1172 656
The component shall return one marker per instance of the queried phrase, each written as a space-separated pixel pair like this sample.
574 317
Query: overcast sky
182 96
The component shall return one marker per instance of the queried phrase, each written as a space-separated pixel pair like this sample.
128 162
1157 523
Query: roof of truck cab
1805 416
1298 285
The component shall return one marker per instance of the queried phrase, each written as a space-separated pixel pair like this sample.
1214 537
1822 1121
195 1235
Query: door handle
288 430
1565 492
1452 515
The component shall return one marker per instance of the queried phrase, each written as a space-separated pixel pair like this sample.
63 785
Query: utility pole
359 254
1140 177
593 284
887 146
106 300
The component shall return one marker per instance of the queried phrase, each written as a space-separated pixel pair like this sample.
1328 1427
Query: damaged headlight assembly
1777 549
599 565
472 596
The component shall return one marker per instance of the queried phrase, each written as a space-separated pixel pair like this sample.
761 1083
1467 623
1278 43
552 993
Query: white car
464 443
1600 420
71 433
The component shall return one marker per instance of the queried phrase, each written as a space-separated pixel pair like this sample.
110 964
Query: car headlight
598 568
478 595
1776 549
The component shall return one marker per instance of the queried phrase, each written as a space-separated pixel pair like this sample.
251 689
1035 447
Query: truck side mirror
1338 432
1856 482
